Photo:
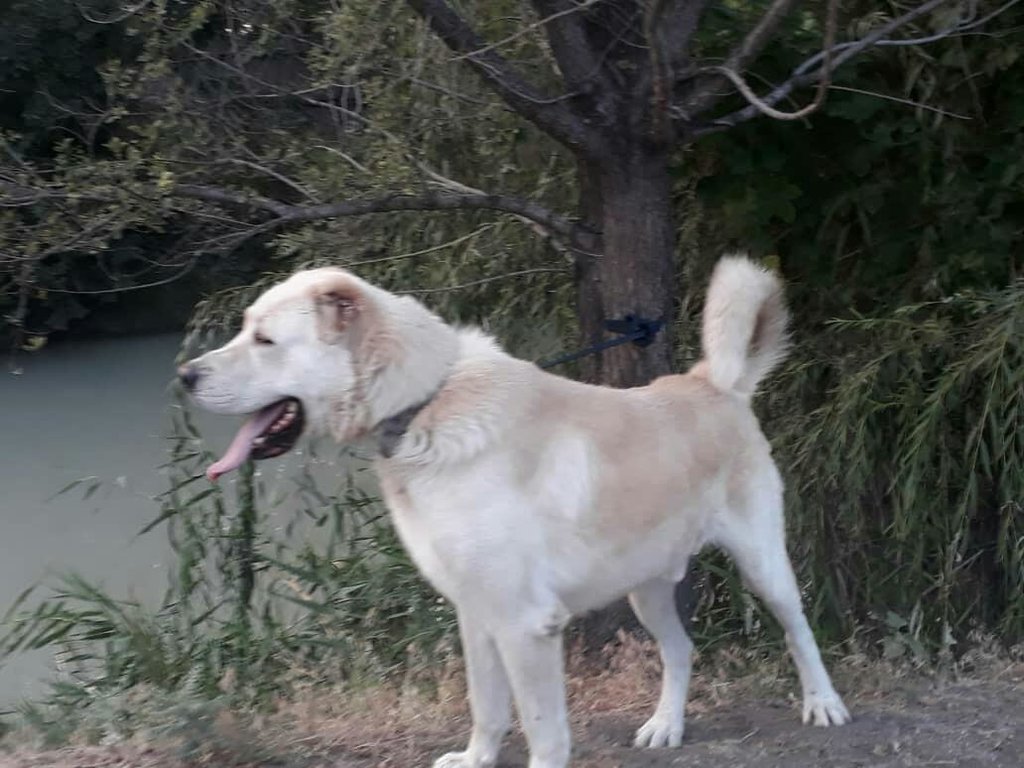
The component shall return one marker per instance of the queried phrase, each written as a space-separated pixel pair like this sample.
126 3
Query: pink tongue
241 446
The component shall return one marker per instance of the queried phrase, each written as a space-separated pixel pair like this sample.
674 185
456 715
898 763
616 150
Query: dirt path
898 722
962 725
966 725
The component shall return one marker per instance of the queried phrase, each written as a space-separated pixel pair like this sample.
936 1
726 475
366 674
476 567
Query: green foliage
317 102
904 482
878 202
50 57
915 461
248 614
896 429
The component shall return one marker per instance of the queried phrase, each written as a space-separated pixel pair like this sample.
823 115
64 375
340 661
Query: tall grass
902 442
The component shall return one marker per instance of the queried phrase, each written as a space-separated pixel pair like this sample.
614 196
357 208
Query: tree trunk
628 198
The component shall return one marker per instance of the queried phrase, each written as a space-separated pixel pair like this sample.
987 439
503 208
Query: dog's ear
339 304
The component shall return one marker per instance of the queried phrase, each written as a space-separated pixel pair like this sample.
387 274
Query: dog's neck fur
425 432
412 379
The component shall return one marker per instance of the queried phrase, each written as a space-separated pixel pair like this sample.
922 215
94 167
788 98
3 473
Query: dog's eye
259 338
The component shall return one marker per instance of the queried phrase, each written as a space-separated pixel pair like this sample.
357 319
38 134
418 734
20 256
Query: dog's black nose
188 375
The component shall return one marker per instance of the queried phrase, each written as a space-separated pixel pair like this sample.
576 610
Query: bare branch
669 25
468 237
237 199
581 66
898 100
675 22
290 183
117 18
484 280
558 226
396 141
452 185
344 156
182 272
554 10
447 91
805 74
16 195
24 283
551 115
709 91
823 84
963 26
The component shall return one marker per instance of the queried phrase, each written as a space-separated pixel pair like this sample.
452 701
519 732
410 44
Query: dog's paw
660 731
825 709
460 760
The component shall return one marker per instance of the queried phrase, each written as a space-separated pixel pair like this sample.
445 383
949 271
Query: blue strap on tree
630 328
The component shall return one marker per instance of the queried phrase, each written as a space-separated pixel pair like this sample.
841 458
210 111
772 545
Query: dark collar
390 431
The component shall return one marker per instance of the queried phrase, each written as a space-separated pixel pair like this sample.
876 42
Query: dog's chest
470 530
428 534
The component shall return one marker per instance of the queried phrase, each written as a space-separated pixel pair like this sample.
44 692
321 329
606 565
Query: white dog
526 498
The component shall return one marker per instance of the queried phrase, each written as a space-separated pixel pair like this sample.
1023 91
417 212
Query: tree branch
400 144
551 115
898 100
581 66
806 74
669 26
556 225
484 280
707 92
828 45
676 22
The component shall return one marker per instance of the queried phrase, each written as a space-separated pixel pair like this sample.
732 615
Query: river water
90 409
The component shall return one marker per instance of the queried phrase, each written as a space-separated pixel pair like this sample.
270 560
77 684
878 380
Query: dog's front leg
489 699
533 659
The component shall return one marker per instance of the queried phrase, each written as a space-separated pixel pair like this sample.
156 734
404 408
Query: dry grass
400 724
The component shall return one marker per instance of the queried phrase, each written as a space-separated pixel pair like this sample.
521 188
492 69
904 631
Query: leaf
18 602
72 485
166 514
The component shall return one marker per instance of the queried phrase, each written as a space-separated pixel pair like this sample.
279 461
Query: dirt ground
963 725
901 718
969 724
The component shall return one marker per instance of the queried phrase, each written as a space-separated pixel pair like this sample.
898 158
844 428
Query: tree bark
628 199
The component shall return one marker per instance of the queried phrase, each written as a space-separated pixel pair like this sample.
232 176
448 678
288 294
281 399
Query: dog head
321 351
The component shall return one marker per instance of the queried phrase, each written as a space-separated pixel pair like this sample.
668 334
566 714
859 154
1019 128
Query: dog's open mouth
269 432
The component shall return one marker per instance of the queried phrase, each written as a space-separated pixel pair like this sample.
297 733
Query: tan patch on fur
460 396
654 447
339 303
344 309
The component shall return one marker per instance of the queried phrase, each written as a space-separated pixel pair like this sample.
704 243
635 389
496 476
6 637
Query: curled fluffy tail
744 325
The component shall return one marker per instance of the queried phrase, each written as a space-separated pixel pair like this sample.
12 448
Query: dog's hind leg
754 536
655 606
490 699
